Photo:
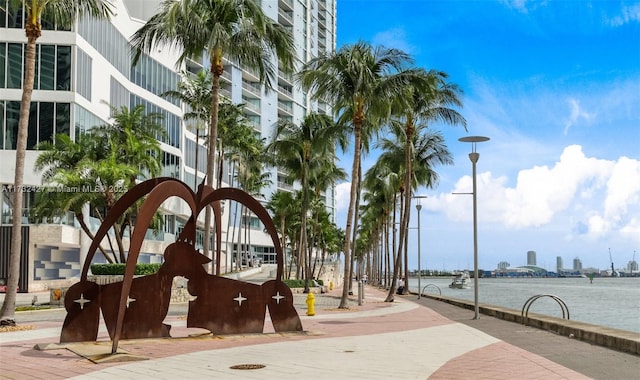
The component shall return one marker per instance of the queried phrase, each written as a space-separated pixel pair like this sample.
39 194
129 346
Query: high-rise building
531 258
559 264
577 264
79 71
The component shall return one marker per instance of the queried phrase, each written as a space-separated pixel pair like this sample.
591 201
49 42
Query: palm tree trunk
355 228
397 265
303 231
211 152
87 231
9 305
350 213
282 239
116 229
408 160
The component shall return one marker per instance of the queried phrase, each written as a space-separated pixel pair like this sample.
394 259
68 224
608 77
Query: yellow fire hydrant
330 285
311 304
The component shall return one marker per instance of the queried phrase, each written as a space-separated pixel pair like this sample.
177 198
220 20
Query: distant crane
613 271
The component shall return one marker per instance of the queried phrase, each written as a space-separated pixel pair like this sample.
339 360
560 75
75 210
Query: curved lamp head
473 140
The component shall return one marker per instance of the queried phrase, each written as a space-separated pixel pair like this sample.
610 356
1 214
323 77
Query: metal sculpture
136 308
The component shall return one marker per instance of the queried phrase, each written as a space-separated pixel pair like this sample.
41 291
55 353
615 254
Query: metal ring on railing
428 285
525 308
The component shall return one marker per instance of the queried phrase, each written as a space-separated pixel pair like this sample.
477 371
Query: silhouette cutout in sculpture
136 308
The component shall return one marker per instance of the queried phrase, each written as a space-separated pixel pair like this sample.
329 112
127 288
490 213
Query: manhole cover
247 366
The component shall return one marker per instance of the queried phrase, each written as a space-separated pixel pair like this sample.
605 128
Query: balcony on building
284 183
249 74
250 89
285 92
285 108
286 5
252 105
285 77
285 18
322 108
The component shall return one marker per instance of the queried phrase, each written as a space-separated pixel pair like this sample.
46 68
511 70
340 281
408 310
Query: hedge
300 283
118 269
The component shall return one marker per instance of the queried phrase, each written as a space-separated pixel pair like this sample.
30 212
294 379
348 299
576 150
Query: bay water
610 302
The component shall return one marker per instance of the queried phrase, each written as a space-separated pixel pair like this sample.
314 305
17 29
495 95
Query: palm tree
234 132
235 29
108 160
303 150
64 156
64 13
358 81
134 134
280 206
194 90
248 158
381 184
426 99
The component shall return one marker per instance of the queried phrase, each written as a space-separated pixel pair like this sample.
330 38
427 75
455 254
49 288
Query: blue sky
556 86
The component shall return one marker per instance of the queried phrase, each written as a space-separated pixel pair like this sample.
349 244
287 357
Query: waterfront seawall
621 340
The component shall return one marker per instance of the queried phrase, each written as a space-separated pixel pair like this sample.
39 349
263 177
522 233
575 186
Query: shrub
300 283
118 269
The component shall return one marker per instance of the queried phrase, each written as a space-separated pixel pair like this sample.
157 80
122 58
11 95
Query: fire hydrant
311 304
330 285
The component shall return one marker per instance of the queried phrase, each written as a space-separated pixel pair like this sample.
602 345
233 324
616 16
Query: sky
555 85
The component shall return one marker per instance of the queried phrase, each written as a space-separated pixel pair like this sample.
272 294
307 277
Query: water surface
611 302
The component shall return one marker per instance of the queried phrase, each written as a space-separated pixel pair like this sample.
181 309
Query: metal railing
431 286
527 305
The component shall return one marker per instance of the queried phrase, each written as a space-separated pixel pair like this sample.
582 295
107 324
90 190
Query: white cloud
393 38
523 6
623 189
628 14
601 196
343 191
576 114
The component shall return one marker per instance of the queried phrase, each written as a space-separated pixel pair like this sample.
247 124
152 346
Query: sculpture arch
212 290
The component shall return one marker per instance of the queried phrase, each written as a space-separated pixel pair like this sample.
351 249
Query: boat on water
461 281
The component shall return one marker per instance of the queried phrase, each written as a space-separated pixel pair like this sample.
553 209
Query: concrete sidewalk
378 340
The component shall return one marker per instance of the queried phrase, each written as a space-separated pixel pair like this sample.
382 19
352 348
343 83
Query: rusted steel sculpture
136 308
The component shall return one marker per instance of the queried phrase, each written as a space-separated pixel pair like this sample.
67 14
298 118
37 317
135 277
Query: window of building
3 64
2 124
32 137
52 69
83 74
171 122
63 68
14 14
47 67
45 120
63 118
170 165
12 116
14 65
85 120
251 221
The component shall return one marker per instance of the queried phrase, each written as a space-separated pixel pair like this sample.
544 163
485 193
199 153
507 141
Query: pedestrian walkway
377 340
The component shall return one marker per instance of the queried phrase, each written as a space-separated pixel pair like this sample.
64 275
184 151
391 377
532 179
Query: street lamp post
474 156
419 207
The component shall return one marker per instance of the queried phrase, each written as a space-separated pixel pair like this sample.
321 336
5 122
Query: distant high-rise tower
559 264
531 258
577 264
503 265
